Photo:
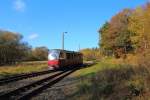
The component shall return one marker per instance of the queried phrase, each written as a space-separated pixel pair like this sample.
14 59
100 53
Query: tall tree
12 49
105 42
115 35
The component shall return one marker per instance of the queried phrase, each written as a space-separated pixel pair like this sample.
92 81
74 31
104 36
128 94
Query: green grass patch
91 70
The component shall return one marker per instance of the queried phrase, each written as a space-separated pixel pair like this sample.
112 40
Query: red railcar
62 58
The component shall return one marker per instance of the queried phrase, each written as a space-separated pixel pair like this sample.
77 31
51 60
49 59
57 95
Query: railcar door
62 59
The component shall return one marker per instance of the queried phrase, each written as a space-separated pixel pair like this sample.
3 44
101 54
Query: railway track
28 91
24 76
29 75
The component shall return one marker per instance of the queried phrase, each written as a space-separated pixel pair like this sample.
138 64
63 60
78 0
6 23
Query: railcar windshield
53 55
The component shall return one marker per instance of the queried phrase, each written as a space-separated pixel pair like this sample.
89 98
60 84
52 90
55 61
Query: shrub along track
28 91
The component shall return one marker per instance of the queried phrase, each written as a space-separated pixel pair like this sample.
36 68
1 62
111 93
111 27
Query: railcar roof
65 51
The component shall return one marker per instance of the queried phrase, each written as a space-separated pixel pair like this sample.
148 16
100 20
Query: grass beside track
112 80
98 66
25 67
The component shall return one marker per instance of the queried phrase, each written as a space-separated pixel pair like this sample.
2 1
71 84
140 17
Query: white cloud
19 5
33 36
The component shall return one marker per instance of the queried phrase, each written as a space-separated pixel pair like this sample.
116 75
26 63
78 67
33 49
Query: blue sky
42 22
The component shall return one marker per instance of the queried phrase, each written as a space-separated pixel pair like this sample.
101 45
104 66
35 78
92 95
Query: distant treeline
13 49
91 54
126 32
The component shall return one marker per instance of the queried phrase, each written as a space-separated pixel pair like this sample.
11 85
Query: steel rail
24 76
9 95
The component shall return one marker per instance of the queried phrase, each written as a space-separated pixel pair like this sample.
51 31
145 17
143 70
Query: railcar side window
68 56
71 56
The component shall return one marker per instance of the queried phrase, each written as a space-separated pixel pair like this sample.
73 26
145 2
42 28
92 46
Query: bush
123 83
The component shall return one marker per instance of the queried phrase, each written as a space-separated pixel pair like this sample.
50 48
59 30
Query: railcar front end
53 59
